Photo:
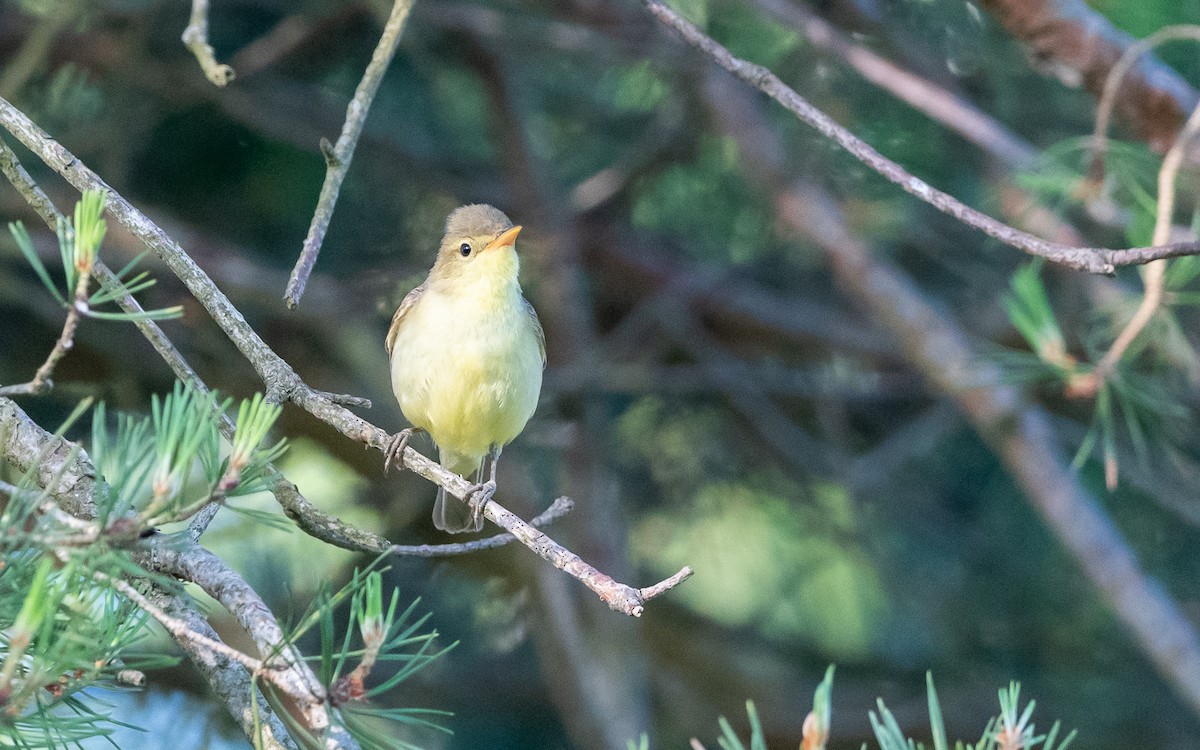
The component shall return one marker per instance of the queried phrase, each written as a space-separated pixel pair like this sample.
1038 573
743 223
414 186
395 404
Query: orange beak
504 240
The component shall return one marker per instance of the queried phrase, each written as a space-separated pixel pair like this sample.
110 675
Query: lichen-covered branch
283 383
339 155
67 474
230 682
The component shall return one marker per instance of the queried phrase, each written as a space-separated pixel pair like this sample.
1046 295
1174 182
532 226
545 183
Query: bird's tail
449 513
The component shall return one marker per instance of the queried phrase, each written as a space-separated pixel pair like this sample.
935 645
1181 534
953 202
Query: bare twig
1094 260
178 629
1154 273
229 681
283 383
559 508
195 38
338 156
41 382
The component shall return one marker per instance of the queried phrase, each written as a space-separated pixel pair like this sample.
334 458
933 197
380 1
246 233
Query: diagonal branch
283 383
231 683
41 382
945 107
338 156
178 629
1018 432
1094 260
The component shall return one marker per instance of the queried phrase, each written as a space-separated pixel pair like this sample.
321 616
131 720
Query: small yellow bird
467 353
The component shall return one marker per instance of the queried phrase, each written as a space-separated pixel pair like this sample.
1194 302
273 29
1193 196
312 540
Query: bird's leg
480 494
394 453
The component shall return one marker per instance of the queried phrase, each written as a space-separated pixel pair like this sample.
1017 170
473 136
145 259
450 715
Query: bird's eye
465 249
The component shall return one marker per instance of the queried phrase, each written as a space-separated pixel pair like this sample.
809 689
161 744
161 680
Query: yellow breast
467 368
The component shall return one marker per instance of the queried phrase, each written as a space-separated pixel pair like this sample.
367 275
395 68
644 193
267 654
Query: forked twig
559 508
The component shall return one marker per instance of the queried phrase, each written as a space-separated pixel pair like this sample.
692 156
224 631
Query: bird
467 354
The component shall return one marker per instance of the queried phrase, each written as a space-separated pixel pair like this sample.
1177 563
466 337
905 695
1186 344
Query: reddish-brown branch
1081 47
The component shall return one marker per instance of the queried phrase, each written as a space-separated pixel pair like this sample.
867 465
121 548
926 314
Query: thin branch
559 508
281 380
1017 431
178 629
338 156
665 585
229 681
1153 277
195 38
1094 260
41 382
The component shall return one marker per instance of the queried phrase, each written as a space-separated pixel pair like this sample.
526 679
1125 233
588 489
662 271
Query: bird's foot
479 495
394 453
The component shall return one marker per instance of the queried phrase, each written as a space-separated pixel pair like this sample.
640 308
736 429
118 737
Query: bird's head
479 245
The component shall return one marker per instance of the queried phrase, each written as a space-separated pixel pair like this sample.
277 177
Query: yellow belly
469 376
